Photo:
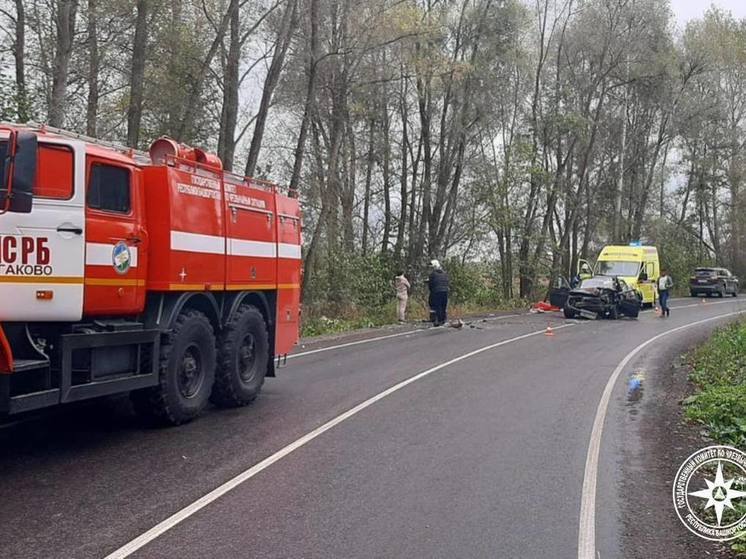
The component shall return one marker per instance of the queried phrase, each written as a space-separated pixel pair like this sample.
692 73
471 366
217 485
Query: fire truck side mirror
16 193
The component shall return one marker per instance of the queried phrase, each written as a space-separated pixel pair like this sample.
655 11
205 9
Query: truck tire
614 312
187 372
569 313
243 354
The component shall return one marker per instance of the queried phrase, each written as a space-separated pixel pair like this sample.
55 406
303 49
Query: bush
349 291
470 283
722 360
679 253
722 410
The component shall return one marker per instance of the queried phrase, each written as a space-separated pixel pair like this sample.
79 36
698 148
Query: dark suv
713 281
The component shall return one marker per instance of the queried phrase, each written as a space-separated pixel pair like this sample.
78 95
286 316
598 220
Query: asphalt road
483 456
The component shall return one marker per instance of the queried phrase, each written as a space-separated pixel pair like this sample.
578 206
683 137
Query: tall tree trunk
19 55
348 191
134 113
403 194
414 208
229 113
386 125
616 228
424 104
370 161
172 45
185 126
65 28
93 68
284 34
310 95
309 264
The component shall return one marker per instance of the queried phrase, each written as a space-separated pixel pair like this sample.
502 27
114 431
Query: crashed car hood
590 291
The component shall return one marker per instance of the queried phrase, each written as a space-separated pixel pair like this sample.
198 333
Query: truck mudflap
6 355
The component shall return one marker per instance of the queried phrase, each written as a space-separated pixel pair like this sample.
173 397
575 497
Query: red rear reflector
45 295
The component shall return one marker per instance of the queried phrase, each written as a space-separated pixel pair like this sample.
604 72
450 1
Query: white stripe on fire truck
285 250
100 254
241 247
213 244
194 242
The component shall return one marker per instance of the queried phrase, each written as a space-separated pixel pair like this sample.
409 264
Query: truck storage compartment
186 227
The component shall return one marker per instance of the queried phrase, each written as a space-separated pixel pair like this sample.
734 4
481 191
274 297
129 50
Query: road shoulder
658 440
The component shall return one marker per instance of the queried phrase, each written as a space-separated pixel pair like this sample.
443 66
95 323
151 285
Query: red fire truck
157 274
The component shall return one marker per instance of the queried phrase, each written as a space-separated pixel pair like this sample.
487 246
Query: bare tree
65 13
284 34
93 69
19 57
137 75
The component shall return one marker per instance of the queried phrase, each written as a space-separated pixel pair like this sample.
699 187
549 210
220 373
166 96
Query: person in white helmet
438 285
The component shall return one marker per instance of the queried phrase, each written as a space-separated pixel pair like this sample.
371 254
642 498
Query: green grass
718 370
719 373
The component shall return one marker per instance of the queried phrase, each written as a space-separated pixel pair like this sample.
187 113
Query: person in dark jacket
438 285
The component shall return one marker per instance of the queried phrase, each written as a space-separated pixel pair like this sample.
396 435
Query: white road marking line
587 528
178 517
705 304
378 338
698 304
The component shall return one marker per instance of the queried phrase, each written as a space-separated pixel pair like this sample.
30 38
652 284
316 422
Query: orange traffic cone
549 331
657 311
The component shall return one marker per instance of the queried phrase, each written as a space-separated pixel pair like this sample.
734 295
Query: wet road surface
481 457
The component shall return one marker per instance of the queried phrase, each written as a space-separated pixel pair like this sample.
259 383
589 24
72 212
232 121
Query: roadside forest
508 138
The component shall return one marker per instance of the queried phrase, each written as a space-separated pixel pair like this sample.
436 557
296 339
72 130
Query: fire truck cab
157 274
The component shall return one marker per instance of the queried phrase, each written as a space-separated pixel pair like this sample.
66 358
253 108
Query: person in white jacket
664 284
401 284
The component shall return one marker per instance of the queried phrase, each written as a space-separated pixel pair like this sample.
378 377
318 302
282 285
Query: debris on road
543 306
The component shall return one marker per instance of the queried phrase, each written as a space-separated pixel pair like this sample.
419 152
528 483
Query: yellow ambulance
637 265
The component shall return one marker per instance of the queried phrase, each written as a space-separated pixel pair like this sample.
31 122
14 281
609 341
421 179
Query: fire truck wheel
243 351
187 372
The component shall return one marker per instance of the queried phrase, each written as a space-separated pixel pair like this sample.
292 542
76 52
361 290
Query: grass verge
718 371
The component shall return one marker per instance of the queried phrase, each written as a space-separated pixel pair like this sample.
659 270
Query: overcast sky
691 9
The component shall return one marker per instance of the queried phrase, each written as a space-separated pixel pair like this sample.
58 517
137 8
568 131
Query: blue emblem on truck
121 257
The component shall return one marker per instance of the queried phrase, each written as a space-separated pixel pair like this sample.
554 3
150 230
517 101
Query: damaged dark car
596 297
